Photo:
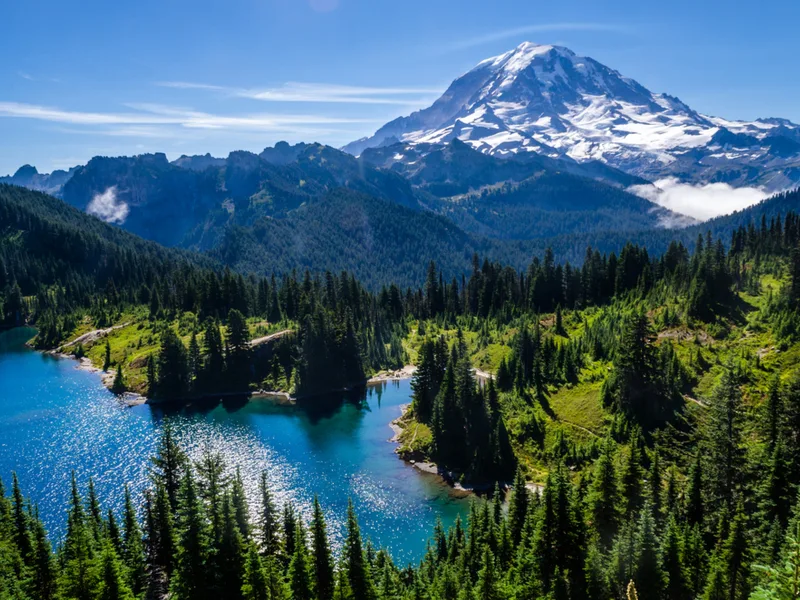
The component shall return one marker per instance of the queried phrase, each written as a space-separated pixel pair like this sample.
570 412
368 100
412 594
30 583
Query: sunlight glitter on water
55 419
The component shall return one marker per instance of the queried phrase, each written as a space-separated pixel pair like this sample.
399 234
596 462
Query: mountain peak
523 55
26 172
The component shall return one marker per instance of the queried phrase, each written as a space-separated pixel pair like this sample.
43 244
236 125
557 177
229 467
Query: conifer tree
192 573
604 498
119 386
230 553
322 559
133 550
107 359
240 508
44 570
358 574
289 530
255 586
211 477
269 525
518 507
649 574
169 464
672 560
113 585
725 438
299 577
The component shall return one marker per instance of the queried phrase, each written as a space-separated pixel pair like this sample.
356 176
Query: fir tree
255 586
269 524
322 559
192 574
358 574
113 585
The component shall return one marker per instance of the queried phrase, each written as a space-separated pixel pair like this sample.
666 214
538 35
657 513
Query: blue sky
91 77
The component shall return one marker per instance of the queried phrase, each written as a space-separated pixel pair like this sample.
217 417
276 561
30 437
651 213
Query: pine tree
256 585
672 560
211 477
289 530
133 550
604 499
214 364
322 559
107 359
775 493
424 382
736 558
631 478
240 508
230 555
172 367
44 573
654 486
79 573
239 347
21 520
270 542
518 507
725 436
169 464
782 581
695 504
161 537
694 561
192 574
358 574
299 578
113 585
119 386
649 574
195 358
487 587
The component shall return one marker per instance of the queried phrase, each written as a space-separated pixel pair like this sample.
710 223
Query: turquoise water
55 419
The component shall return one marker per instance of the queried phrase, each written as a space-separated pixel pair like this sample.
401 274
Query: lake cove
56 418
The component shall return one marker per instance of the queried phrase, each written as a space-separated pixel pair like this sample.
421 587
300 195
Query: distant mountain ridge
189 201
549 101
28 176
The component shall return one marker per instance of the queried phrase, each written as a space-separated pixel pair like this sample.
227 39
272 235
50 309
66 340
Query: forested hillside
654 398
202 203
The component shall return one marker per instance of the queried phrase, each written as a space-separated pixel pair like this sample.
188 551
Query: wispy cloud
539 28
157 114
316 92
29 77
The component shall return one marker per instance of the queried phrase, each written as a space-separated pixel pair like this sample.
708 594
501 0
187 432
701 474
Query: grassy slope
571 412
139 338
575 412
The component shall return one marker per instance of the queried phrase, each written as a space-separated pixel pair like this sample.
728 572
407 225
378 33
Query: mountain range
536 147
548 101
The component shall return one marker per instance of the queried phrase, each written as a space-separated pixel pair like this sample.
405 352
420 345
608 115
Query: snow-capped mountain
548 100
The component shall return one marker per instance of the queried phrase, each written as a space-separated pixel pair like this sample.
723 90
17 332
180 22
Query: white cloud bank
704 201
108 207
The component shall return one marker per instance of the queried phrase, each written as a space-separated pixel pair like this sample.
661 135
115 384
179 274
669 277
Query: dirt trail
91 336
571 424
268 338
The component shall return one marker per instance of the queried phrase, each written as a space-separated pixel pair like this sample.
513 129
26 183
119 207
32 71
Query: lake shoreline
129 398
450 479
